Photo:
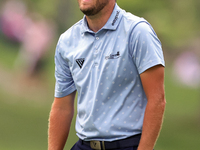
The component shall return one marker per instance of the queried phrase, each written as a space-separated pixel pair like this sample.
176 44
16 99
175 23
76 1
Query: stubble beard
95 9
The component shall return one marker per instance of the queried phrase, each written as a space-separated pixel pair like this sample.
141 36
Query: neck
96 22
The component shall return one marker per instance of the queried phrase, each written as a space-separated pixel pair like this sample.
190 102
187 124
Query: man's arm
61 115
153 84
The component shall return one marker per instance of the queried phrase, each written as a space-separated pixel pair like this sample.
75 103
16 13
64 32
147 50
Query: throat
96 24
97 21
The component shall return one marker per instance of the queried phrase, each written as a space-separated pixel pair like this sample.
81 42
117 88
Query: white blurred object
187 69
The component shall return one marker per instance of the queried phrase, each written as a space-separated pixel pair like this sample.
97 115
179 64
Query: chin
88 11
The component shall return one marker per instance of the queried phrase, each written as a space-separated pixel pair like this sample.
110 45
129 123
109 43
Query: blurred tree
67 14
63 12
175 22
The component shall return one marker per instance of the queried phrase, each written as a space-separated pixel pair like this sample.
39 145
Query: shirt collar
111 24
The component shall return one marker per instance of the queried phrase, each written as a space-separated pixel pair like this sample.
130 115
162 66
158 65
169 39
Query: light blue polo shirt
105 68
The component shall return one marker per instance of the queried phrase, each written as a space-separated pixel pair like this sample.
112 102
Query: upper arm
148 57
65 103
153 83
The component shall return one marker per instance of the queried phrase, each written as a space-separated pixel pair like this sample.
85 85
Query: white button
97 38
96 51
96 64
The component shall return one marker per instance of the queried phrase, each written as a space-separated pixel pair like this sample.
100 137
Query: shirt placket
96 58
96 50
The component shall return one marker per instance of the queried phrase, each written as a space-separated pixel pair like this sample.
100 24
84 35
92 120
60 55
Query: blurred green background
26 96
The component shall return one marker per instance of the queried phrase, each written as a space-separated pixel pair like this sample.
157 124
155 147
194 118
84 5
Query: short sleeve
64 82
146 49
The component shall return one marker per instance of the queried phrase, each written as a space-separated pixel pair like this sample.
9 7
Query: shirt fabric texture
105 67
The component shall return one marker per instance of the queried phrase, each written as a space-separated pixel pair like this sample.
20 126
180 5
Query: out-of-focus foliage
175 21
63 12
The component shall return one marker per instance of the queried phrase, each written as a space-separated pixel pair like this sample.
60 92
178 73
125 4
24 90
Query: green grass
9 52
182 117
23 124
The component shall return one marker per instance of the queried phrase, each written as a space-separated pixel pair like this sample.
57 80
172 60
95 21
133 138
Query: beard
94 9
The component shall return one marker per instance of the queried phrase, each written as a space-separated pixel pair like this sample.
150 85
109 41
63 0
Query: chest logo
113 56
80 62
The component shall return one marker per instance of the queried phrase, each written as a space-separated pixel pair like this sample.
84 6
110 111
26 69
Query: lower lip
86 0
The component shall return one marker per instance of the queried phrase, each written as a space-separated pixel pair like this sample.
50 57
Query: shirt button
96 64
96 51
97 38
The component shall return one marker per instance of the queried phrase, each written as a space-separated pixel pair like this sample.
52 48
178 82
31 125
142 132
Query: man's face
92 7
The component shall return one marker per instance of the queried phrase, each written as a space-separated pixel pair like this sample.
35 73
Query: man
114 61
